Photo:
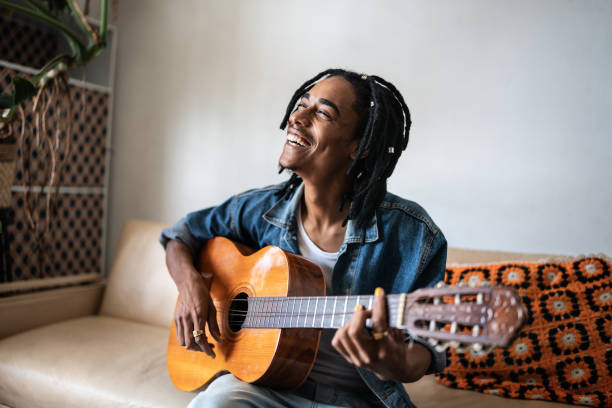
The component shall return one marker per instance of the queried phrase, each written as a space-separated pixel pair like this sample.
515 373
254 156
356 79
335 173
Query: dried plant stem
50 136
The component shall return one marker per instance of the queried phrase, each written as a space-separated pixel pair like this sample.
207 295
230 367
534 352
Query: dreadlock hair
383 130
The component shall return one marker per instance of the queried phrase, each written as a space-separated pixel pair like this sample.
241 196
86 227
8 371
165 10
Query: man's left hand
385 351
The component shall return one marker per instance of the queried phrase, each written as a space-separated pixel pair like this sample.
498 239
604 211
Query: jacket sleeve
225 220
180 232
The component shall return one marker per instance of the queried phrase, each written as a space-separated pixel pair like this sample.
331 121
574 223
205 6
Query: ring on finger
379 335
197 333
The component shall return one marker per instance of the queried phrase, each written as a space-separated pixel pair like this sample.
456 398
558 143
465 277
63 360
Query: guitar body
280 358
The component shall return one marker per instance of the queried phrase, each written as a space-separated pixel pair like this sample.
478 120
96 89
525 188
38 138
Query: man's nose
300 117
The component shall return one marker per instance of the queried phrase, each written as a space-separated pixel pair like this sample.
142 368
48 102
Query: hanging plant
48 134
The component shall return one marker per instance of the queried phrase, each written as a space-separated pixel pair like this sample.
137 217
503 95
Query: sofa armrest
23 311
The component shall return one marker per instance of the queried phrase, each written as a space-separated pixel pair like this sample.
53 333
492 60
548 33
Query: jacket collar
283 213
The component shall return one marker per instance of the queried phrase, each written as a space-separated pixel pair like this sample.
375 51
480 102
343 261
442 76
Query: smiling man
345 133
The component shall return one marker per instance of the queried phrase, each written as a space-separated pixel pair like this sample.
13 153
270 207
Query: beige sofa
82 355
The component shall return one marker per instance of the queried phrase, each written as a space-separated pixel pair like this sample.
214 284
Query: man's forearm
180 262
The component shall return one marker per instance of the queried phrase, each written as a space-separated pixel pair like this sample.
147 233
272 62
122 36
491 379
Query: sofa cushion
139 287
93 361
563 353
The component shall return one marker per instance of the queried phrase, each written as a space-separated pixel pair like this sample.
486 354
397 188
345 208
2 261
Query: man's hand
195 309
385 353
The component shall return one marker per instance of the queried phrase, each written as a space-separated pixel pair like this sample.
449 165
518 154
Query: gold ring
379 335
197 333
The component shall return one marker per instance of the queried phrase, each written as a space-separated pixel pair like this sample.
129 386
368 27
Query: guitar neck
319 312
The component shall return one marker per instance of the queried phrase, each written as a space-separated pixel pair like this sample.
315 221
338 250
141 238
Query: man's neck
321 214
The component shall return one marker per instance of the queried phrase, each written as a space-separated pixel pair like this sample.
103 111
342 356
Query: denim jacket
403 250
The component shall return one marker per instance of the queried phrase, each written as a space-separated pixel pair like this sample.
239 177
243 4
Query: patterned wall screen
75 239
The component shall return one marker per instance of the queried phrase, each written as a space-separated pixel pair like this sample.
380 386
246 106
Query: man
345 133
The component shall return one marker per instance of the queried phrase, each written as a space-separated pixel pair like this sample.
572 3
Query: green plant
84 47
48 135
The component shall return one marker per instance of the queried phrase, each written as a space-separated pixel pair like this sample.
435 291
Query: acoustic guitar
271 305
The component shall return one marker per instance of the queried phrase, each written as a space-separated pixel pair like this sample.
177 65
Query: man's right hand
195 309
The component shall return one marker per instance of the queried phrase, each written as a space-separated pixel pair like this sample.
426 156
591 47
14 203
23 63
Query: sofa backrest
457 256
139 287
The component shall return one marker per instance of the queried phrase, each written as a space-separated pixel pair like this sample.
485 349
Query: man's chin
282 167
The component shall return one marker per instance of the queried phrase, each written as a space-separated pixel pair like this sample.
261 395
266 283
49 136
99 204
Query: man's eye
327 115
300 106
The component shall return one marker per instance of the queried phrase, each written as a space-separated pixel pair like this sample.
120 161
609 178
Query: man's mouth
295 139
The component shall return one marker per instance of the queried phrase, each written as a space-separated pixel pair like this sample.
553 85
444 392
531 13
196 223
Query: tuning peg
441 284
432 325
441 347
462 284
462 348
432 341
485 283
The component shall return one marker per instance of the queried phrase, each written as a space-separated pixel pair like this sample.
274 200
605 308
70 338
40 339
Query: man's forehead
336 90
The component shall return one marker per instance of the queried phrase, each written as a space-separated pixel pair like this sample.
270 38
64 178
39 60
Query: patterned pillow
563 353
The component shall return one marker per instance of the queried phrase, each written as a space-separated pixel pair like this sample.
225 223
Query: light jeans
229 392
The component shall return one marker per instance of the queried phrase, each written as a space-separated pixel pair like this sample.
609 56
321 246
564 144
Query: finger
356 326
187 331
338 344
201 340
178 329
379 312
358 344
213 326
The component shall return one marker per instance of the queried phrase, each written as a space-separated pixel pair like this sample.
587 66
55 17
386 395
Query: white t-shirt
330 367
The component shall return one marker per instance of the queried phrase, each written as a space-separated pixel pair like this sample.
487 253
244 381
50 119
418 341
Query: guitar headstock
463 316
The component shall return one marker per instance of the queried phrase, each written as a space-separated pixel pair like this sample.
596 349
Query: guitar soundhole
238 311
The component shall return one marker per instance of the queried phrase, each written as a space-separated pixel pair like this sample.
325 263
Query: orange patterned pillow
564 351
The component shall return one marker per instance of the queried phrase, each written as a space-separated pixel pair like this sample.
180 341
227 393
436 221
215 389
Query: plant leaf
23 90
6 101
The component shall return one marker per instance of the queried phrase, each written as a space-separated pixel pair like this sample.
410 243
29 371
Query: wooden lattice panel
85 164
23 44
74 244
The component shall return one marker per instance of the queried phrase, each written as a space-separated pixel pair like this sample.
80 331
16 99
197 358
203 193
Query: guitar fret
264 314
334 312
307 311
255 314
314 315
323 315
281 314
344 314
276 314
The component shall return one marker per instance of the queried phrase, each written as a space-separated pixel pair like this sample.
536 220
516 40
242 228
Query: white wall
511 146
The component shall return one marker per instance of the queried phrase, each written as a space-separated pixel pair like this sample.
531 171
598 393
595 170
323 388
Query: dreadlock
383 132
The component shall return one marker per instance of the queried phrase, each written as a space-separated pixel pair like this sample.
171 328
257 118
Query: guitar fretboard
329 312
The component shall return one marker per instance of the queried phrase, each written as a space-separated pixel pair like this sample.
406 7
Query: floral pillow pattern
563 353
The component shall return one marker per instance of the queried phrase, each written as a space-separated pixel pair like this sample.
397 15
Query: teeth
296 139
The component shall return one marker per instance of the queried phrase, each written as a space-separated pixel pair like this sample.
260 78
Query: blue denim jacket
403 250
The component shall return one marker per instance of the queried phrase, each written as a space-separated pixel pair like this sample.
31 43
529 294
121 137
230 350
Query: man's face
320 132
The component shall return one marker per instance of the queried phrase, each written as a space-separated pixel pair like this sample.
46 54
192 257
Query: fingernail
379 291
358 307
